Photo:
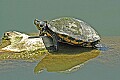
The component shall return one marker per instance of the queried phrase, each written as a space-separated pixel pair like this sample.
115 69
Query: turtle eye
38 21
41 25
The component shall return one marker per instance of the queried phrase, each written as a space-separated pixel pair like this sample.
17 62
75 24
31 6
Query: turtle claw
52 48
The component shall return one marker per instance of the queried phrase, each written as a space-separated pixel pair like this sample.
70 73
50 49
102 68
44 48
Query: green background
103 15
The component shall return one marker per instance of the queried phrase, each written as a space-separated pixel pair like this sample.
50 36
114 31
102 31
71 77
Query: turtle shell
74 28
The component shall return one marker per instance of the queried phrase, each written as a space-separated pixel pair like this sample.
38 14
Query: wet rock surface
21 42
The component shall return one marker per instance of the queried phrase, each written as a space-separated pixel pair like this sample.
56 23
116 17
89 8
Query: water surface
103 15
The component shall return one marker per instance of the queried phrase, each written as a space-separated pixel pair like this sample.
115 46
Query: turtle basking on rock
68 30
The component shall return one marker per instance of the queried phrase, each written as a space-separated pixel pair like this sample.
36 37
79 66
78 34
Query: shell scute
74 28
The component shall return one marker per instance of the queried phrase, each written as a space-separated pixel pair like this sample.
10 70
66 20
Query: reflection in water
111 57
68 59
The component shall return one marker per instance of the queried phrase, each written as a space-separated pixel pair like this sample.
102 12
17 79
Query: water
103 15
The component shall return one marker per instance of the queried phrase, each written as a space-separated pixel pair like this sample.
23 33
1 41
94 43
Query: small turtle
68 30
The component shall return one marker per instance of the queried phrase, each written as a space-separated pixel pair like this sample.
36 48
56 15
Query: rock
21 42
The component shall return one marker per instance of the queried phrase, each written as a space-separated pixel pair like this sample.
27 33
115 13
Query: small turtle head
40 24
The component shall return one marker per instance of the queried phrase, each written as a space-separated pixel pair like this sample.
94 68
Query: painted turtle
68 30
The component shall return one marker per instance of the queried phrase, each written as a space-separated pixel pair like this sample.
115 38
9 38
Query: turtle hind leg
94 44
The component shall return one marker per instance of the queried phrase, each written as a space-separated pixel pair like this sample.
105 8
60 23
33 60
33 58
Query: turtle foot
52 49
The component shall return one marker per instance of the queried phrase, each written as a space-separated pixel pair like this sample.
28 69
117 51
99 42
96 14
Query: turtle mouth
5 38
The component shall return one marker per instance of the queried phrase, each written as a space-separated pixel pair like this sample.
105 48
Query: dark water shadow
68 59
71 49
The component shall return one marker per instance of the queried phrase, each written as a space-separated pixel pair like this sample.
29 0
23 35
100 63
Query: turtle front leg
55 41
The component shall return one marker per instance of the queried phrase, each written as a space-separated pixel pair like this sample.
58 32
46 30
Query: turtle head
39 24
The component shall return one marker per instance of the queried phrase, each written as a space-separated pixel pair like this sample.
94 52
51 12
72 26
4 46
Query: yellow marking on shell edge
69 41
48 35
66 39
60 36
80 43
74 42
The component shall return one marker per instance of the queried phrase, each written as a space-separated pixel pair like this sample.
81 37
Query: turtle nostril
35 22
